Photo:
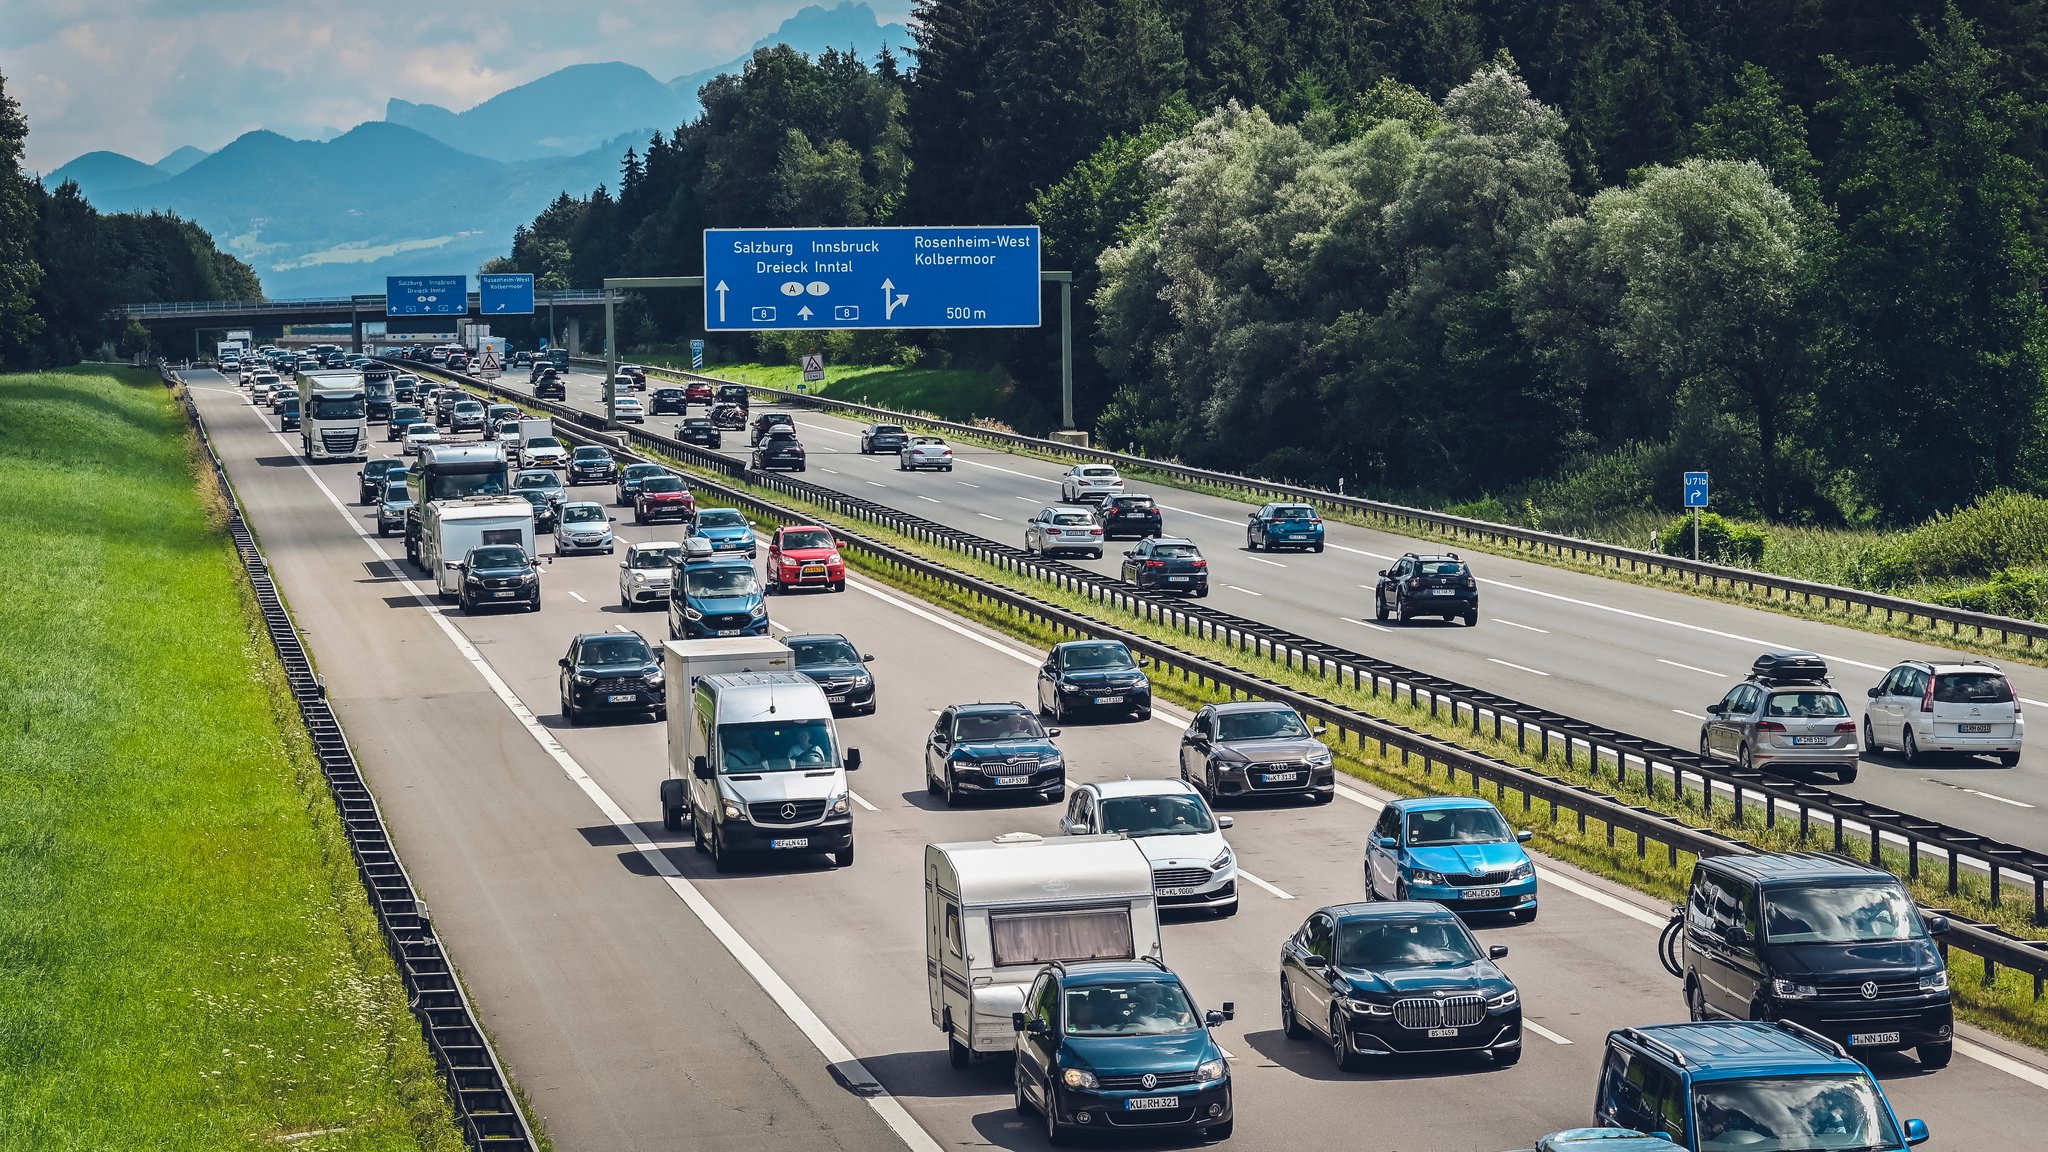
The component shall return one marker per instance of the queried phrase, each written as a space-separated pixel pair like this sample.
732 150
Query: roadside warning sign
490 363
814 367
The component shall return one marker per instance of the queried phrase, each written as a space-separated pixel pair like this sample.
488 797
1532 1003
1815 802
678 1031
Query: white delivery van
996 911
450 528
759 763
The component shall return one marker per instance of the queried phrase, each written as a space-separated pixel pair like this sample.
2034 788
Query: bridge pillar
355 334
575 336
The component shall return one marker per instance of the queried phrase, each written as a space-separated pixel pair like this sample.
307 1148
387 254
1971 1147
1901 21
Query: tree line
66 268
1551 253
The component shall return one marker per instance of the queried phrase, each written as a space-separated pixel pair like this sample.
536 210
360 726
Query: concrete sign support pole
611 360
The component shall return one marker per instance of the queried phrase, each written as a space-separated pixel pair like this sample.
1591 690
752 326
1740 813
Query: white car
629 409
1924 707
418 436
647 572
1192 866
543 452
584 526
925 452
1056 530
259 388
1090 482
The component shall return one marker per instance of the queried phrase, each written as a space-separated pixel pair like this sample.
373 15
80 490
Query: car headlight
864 681
472 580
732 810
1935 983
1367 1007
654 677
1223 860
839 805
639 577
583 678
692 614
1425 876
1523 871
1066 687
758 611
1787 990
1211 1070
1079 1078
1321 759
1507 999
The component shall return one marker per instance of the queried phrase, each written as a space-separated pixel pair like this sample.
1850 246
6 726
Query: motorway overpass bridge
172 319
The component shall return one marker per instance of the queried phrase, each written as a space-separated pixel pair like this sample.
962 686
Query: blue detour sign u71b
1695 489
759 279
426 295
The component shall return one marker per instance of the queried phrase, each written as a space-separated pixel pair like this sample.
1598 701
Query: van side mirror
1937 925
1016 1021
1383 573
853 759
1524 836
562 663
1737 936
1497 952
700 768
1916 1132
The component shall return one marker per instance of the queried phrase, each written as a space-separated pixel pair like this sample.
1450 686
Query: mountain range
427 189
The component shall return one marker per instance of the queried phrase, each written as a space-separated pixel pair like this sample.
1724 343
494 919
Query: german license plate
1874 1038
1178 579
1969 728
1281 777
1811 739
1152 1103
1441 592
1296 536
1012 779
626 698
1442 1033
1109 699
728 631
503 595
798 842
839 699
1482 893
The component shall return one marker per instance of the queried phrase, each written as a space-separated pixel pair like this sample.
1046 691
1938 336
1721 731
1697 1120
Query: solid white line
1604 899
579 598
1516 667
1202 515
2003 1063
1540 1030
1694 715
832 431
1017 654
861 800
833 471
2000 799
1274 889
1263 560
1512 624
1359 552
1691 668
1246 591
986 516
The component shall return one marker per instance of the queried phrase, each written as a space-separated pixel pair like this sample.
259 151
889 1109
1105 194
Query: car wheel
1319 548
1472 619
1909 747
1056 1133
1251 542
1340 1048
1144 714
1018 1099
839 585
1934 1056
1379 607
2009 759
1202 593
1706 748
721 858
570 714
1870 743
1695 1002
931 783
1742 760
1290 1025
1846 774
951 793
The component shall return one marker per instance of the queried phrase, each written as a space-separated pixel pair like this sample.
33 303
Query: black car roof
813 635
987 709
1793 867
1173 540
1240 707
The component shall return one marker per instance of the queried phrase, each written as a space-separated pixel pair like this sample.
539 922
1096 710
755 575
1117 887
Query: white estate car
1192 866
1090 482
1924 707
1056 530
925 452
629 409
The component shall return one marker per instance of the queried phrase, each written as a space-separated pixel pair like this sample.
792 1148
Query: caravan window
1042 938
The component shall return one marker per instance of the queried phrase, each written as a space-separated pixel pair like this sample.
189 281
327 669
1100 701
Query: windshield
497 556
542 442
1098 473
776 746
1092 657
1402 943
1456 826
396 494
814 652
469 408
1141 1008
592 454
1845 914
1276 724
536 479
1791 1114
445 486
807 538
661 484
699 422
720 518
612 651
1156 815
977 727
1819 705
722 580
583 514
653 557
337 408
1972 688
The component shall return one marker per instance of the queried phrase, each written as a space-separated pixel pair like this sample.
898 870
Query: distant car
583 526
629 410
1093 676
467 416
611 672
699 430
1246 749
1129 514
663 498
735 394
521 360
541 480
418 436
370 478
542 452
995 750
622 385
925 452
495 417
288 413
499 574
1056 530
392 505
666 401
277 398
1924 707
458 362
883 438
635 373
779 449
768 420
647 571
630 477
1441 586
837 667
1277 526
697 392
538 369
1167 564
550 387
727 529
404 389
592 464
1455 850
1089 482
1193 867
805 556
729 417
506 432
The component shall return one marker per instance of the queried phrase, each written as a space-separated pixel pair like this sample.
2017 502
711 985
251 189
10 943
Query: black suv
371 478
889 438
1134 515
666 402
1256 748
550 386
1819 940
1440 586
699 430
733 394
611 672
779 449
499 574
592 464
1167 564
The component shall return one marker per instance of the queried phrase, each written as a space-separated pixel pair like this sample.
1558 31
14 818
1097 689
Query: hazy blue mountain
849 27
105 173
180 160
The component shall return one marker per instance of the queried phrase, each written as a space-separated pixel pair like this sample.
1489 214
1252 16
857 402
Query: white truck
755 763
997 911
229 349
450 528
334 420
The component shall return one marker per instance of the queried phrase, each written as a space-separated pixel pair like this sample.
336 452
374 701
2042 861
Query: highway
643 1001
1636 659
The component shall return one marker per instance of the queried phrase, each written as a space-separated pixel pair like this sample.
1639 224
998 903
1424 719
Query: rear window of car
1134 504
1175 550
1818 705
1442 568
1294 512
1098 472
887 430
1972 688
1070 518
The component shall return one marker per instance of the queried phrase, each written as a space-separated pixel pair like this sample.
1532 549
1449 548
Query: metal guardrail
484 1104
1996 947
1422 522
1663 765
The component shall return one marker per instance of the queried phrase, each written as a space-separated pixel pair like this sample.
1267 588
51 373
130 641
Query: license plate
1109 699
504 595
728 631
839 699
1811 739
1152 1103
798 842
1297 537
1874 1038
1442 592
1967 728
625 699
1442 1033
1178 579
1482 893
1281 777
1012 779
1177 891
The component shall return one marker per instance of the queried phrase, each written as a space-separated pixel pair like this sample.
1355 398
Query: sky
144 77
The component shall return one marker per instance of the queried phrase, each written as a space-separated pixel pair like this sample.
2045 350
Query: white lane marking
1365 623
848 1067
1026 499
781 625
1202 515
2002 1062
832 471
579 598
1019 655
1516 667
1540 1030
965 484
1246 591
1011 471
986 516
1693 715
876 484
1512 624
1273 888
1360 552
2035 703
1692 668
861 800
928 499
1605 899
1976 792
1263 560
832 431
622 627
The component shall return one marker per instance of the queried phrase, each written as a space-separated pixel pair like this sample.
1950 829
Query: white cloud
146 76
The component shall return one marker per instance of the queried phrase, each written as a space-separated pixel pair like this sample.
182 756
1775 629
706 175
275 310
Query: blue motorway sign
1695 489
760 279
696 353
504 293
426 295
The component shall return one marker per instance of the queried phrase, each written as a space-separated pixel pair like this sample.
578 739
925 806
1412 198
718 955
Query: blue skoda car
1277 526
1455 850
728 531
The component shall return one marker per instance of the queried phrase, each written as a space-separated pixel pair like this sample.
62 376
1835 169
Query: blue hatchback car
728 531
1455 850
1277 526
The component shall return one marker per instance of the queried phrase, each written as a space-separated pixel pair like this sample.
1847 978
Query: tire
721 857
1290 1025
931 784
839 586
574 717
1870 743
1472 619
1056 1133
381 532
1379 607
1910 747
1742 759
947 790
1340 1048
1706 749
2009 759
956 1053
671 819
1695 1002
1017 1099
1319 548
1934 1056
1326 797
1251 542
1144 714
1846 775
638 518
1529 917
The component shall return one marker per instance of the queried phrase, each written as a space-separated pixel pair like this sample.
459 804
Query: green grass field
187 959
963 395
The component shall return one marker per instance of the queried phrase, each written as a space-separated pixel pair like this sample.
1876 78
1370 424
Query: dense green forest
1543 255
66 268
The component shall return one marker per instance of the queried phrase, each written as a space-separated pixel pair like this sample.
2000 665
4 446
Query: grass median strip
187 957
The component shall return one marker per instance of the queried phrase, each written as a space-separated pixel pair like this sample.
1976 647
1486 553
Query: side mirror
1314 961
1383 573
622 563
456 565
1214 1019
1872 693
562 663
1225 822
1318 731
1035 1028
1524 836
1714 709
1937 925
853 759
1130 552
700 768
1497 952
1016 1021
1386 842
836 543
867 658
1737 936
1916 1132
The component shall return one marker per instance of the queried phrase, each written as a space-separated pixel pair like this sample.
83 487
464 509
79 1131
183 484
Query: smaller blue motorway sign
1695 489
426 295
696 353
504 293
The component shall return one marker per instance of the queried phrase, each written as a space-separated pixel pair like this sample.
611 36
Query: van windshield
721 580
776 746
1842 914
1791 1114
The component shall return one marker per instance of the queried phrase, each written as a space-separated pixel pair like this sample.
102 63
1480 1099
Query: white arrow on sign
890 301
804 313
721 290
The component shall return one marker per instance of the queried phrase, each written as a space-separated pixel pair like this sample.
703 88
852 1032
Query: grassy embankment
964 395
187 958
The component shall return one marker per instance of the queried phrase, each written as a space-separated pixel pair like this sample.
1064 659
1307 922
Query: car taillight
1470 584
1201 563
1769 726
1415 581
949 451
1155 563
1095 531
1846 726
2015 696
1927 697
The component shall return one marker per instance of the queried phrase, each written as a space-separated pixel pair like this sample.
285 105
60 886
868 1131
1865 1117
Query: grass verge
965 395
187 958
